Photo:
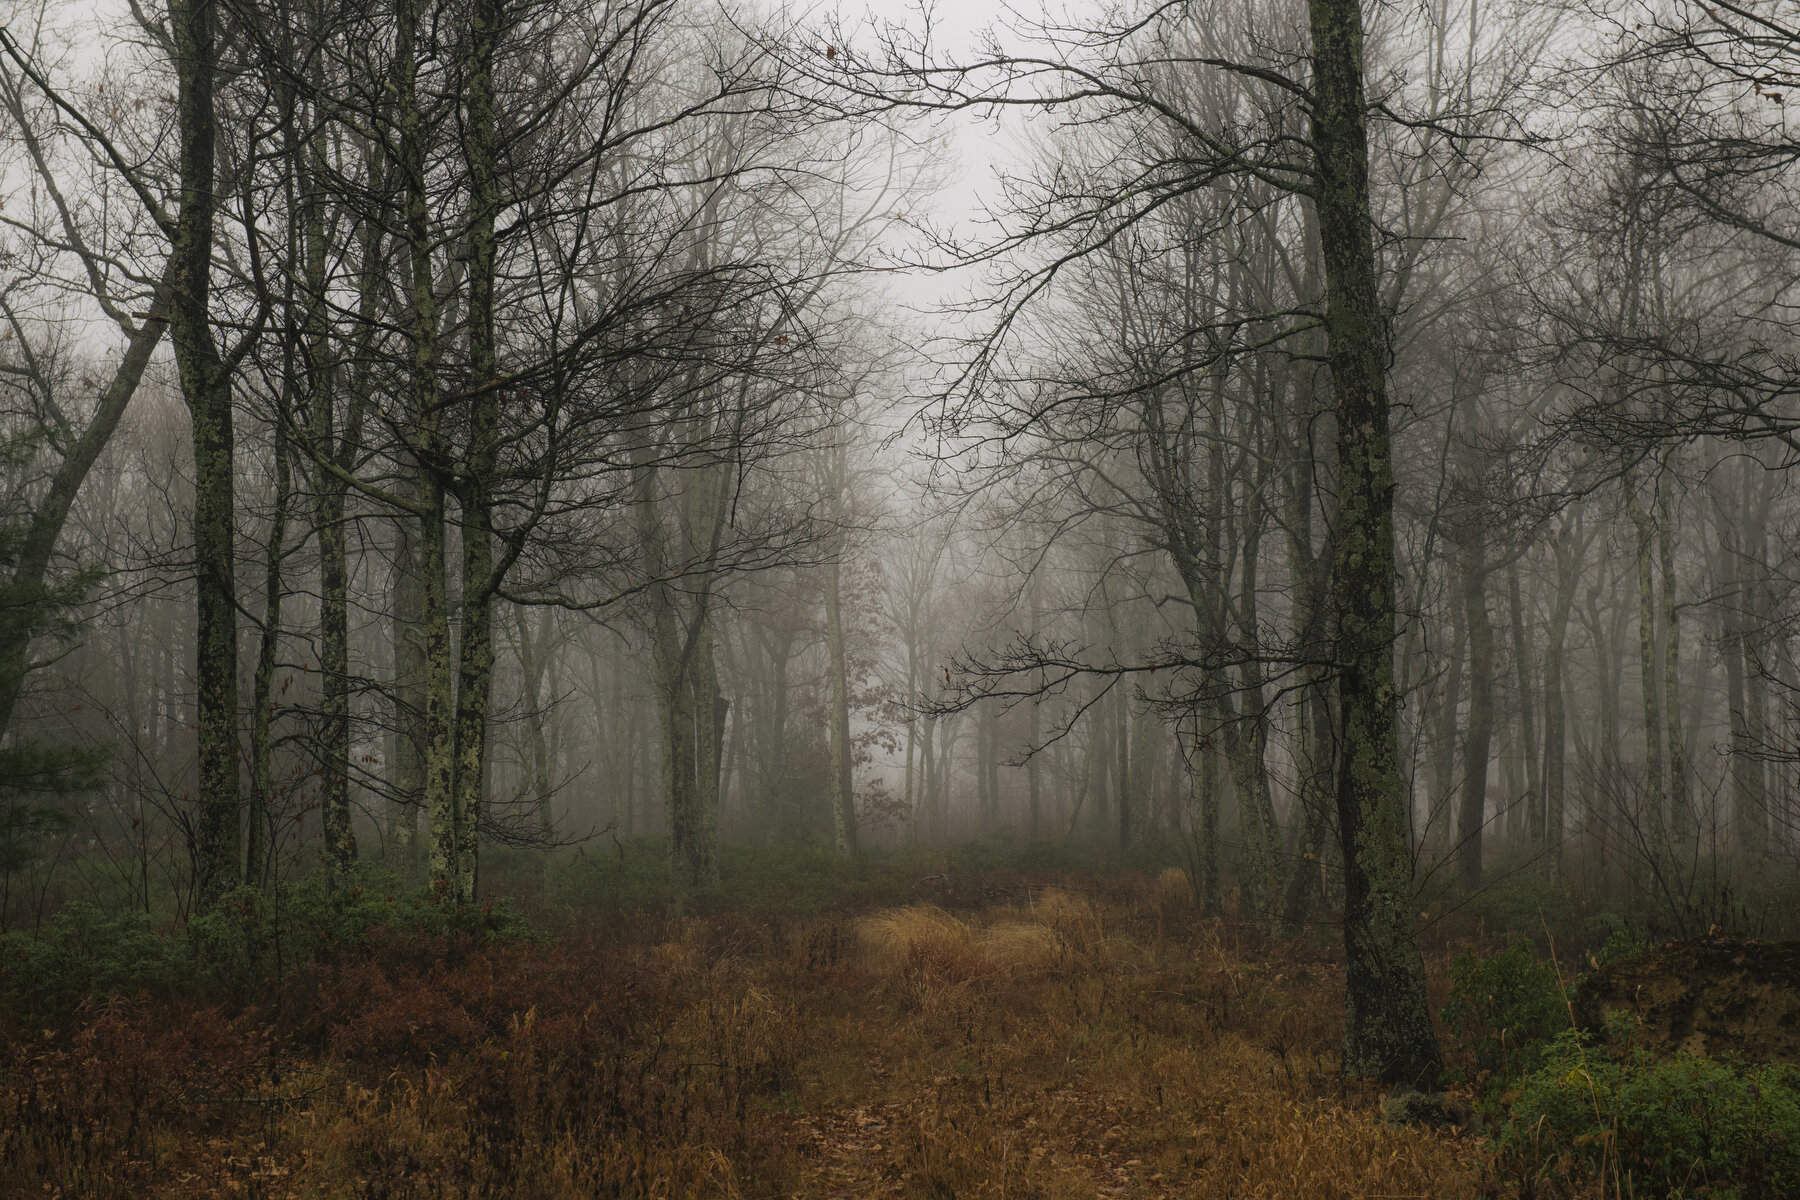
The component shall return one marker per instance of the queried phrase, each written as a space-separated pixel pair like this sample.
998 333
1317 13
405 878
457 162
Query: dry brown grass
1172 892
1052 1049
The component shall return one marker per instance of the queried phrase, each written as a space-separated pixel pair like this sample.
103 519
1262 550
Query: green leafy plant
83 953
1683 1127
1620 945
240 948
1506 1007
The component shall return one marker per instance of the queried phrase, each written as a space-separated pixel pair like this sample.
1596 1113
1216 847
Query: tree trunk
407 784
534 653
37 547
1478 746
1122 769
1655 837
1443 765
475 656
1749 800
438 753
262 700
206 386
328 522
1387 1023
1568 579
1528 727
1682 820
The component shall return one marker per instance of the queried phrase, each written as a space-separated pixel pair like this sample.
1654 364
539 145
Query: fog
457 450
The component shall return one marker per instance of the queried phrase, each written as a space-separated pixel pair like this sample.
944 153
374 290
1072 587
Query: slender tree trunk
1122 770
37 547
328 523
1034 815
1206 806
1443 773
1654 811
1477 749
711 710
1387 1025
1099 761
1682 822
1528 726
908 806
843 799
1749 798
931 815
1312 707
408 739
533 653
262 700
1247 736
1568 579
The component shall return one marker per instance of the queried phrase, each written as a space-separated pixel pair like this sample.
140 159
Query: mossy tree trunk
1387 1024
206 386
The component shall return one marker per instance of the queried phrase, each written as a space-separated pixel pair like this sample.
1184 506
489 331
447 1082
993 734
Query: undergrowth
1634 1125
934 1031
1055 1042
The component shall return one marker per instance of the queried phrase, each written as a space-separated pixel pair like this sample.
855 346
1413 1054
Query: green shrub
1518 904
252 936
1506 1008
1621 944
83 953
1677 1128
249 940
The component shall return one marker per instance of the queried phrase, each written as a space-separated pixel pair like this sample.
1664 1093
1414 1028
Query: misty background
777 427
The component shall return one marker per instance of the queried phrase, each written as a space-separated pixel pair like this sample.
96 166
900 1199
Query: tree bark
206 386
1528 726
1657 834
1682 820
1478 746
1568 580
1387 1025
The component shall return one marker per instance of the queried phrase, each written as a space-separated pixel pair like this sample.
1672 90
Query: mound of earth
1710 996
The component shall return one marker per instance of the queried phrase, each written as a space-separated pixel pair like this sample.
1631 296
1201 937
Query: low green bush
83 953
247 942
1682 1127
1620 945
1506 1008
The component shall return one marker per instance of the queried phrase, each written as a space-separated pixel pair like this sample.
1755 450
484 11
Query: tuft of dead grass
1172 892
1075 919
900 936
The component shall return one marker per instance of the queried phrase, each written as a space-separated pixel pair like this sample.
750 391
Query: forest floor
1041 1042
